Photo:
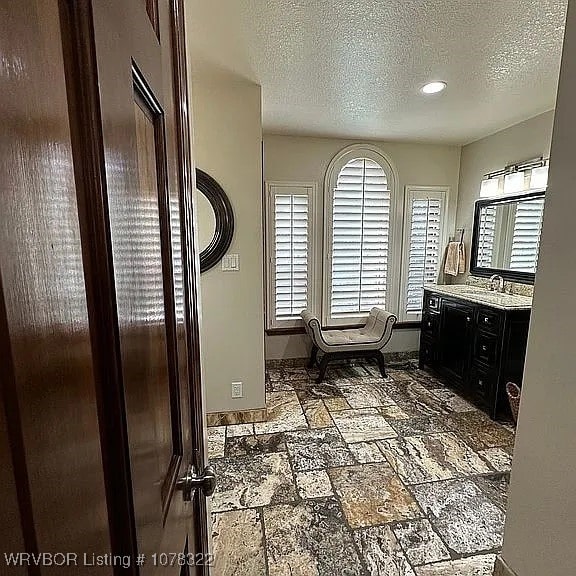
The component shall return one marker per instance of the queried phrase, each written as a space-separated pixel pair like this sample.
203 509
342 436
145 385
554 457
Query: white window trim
313 292
442 192
395 232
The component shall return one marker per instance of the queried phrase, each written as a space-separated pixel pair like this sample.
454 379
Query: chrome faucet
497 277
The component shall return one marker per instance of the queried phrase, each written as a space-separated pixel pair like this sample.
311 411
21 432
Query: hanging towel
462 259
455 260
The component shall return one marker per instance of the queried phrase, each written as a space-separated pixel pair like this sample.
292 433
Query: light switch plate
231 263
237 391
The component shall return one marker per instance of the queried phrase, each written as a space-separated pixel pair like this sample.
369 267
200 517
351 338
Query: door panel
146 327
137 98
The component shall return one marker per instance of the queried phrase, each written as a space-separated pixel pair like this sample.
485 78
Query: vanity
476 341
475 338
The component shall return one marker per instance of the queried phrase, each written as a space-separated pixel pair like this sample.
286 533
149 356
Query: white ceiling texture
354 68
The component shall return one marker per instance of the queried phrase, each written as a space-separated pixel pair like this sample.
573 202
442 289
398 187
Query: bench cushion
353 336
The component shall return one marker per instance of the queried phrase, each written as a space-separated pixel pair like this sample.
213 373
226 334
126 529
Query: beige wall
523 141
303 159
228 140
541 520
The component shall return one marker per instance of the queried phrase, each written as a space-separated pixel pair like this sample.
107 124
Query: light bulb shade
514 183
539 178
489 188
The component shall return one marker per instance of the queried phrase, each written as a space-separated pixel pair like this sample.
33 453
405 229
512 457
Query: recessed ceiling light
434 87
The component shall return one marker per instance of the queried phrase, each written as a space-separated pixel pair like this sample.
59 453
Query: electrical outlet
237 390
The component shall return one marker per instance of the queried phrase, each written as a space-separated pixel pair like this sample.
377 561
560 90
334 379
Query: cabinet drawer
430 324
486 348
489 320
431 302
483 384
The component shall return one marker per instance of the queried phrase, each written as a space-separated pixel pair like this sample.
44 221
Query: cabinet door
484 387
456 340
428 352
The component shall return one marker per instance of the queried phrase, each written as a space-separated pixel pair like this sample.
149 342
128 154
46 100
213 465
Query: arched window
359 204
372 245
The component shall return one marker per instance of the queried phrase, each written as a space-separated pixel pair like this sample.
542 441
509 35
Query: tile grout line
264 542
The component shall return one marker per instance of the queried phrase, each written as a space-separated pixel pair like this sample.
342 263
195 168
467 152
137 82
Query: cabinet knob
486 319
484 348
468 319
481 382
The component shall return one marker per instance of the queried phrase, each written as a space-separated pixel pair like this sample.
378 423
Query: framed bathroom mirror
506 236
215 219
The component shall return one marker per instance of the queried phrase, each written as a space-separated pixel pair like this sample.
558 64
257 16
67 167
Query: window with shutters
289 230
371 245
526 235
487 235
424 240
359 237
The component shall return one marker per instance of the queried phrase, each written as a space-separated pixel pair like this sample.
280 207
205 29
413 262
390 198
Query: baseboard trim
502 569
237 417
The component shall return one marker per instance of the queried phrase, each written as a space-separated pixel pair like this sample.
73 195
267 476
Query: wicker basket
513 391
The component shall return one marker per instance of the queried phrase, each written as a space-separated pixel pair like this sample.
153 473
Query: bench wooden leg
313 356
323 365
381 363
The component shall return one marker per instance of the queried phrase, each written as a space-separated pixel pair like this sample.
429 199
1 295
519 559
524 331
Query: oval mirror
215 220
206 221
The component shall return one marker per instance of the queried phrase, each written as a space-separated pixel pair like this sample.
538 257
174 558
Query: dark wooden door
135 57
99 372
50 452
456 340
12 539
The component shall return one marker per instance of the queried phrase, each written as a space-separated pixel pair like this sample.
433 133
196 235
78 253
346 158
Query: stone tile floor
360 476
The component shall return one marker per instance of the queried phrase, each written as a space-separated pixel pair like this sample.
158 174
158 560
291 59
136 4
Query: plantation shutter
526 237
291 253
486 235
360 238
425 247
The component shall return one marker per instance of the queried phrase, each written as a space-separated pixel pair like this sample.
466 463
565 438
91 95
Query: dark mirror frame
224 216
510 275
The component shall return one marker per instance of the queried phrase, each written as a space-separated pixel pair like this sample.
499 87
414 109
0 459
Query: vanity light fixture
434 87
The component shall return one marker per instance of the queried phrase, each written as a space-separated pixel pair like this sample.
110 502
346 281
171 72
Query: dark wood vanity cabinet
475 348
456 329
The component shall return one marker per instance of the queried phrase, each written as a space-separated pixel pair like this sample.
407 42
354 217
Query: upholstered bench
367 341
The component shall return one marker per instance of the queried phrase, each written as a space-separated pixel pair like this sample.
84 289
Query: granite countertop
483 296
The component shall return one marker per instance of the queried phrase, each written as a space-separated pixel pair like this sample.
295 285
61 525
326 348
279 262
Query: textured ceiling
353 68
